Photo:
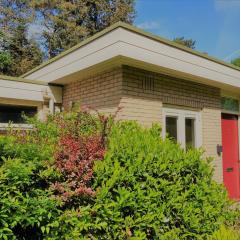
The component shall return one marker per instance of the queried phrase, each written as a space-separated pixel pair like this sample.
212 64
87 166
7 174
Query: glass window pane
171 127
10 113
190 132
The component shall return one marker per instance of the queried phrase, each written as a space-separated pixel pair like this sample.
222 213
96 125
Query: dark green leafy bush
33 163
148 188
225 234
144 188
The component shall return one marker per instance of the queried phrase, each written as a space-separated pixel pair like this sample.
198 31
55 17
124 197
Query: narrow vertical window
171 127
190 133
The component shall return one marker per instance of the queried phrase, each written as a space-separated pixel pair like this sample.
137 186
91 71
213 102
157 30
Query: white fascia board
101 49
129 44
29 91
150 51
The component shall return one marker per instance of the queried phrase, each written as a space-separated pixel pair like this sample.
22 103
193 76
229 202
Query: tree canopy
66 23
17 52
60 24
236 62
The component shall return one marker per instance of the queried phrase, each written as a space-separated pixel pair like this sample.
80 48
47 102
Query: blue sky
214 24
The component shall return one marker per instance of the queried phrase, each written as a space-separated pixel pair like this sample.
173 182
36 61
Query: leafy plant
36 165
81 176
148 188
225 234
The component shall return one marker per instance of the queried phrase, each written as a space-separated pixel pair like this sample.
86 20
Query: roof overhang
122 44
19 89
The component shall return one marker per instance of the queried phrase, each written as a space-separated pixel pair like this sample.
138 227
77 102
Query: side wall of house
144 94
101 92
141 96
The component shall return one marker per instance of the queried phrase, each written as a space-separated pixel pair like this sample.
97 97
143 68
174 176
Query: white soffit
133 45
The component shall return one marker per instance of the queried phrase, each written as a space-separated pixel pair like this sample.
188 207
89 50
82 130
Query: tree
18 53
236 62
67 22
5 56
185 42
61 24
25 53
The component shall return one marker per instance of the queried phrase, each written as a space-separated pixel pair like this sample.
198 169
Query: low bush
152 189
225 234
75 177
43 169
148 188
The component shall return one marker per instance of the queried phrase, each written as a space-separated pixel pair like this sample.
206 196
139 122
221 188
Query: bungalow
193 96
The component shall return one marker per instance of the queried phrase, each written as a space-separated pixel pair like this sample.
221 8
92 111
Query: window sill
15 126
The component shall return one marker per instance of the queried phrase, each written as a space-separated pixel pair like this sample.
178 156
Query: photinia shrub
75 159
149 188
79 176
47 170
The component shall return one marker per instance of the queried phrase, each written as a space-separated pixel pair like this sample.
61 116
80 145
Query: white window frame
181 115
16 126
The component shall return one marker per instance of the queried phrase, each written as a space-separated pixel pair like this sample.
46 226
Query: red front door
230 155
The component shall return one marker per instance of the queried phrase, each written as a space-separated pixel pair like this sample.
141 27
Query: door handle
229 170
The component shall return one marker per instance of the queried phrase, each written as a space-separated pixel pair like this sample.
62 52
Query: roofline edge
138 31
20 79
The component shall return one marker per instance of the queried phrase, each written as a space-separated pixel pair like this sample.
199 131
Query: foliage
5 56
80 145
185 42
34 162
61 24
26 203
24 52
147 188
236 62
20 54
66 23
79 176
225 234
5 62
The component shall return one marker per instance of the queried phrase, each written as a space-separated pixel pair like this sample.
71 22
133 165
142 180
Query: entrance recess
230 156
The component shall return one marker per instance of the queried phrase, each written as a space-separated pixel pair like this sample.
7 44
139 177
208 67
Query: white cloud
149 25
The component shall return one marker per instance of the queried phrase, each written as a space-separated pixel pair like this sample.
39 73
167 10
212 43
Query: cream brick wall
145 106
101 92
125 87
212 135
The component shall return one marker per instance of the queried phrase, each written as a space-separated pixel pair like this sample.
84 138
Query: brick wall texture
101 92
142 95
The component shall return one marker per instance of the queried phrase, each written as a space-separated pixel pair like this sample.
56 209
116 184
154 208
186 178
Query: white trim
16 126
181 115
132 46
29 91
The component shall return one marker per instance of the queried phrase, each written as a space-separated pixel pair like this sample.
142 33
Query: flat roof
21 79
138 31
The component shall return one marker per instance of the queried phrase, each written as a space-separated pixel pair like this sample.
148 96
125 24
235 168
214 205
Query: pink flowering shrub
49 170
81 142
75 159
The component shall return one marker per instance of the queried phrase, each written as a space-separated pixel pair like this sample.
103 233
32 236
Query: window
182 126
171 127
190 132
12 113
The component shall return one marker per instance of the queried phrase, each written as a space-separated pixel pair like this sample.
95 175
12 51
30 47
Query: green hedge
148 188
145 187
